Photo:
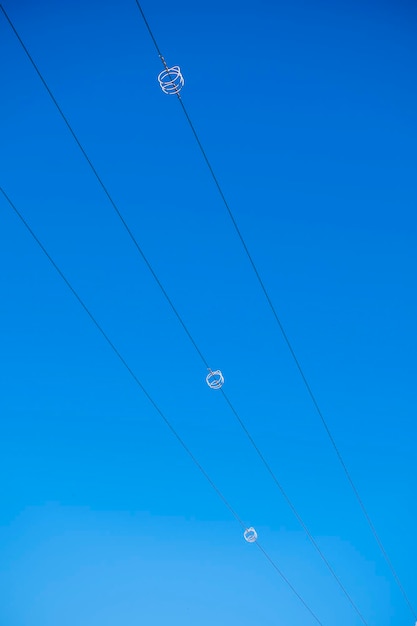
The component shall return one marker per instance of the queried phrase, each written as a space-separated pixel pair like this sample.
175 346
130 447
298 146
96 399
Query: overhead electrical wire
152 401
194 343
283 332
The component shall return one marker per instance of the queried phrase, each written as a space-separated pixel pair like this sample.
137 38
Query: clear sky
307 112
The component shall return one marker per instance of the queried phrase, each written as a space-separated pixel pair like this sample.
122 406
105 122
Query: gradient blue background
307 111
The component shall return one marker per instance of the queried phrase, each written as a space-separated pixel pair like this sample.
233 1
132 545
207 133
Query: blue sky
307 111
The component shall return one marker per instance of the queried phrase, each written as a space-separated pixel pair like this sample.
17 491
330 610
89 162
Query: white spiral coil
215 379
250 535
171 80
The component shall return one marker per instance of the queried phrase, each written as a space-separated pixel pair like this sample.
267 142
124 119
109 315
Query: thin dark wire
120 357
151 400
103 186
315 545
281 574
294 510
284 334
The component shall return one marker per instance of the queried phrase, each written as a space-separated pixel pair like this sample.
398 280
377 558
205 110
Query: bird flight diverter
215 379
171 80
250 535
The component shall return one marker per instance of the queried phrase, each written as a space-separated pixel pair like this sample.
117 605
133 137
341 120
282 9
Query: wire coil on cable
250 535
215 379
171 80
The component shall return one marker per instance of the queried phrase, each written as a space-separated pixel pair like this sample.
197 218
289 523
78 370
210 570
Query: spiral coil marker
171 80
215 379
250 535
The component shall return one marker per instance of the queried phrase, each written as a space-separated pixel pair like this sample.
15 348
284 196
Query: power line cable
152 401
100 181
204 360
280 325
